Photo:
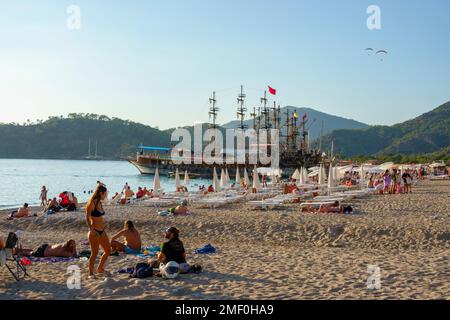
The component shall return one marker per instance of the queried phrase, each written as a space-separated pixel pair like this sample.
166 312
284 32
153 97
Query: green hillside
427 133
68 138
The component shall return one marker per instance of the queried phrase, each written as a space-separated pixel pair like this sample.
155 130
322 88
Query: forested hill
427 133
68 138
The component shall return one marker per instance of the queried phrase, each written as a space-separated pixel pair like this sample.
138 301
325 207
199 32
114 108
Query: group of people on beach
393 182
172 250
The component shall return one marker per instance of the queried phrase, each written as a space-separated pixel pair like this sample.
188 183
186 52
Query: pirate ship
294 146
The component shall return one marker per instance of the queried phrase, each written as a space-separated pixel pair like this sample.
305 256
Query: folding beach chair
10 261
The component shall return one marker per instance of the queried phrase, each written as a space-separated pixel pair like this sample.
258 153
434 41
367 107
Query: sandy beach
275 254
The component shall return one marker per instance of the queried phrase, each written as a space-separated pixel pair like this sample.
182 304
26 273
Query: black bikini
97 214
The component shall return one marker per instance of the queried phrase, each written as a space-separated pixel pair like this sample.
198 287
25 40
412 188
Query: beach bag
142 270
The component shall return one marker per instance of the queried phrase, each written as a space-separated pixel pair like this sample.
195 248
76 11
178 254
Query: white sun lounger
265 204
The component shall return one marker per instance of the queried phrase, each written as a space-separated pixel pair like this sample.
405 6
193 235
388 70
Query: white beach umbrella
186 178
156 181
238 177
177 179
227 176
363 175
246 179
300 180
336 175
330 177
256 182
305 176
321 178
296 175
223 179
216 184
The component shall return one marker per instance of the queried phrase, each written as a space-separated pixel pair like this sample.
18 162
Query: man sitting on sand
173 250
23 212
63 250
132 243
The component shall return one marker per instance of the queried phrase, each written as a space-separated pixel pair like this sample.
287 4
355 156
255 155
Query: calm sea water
21 180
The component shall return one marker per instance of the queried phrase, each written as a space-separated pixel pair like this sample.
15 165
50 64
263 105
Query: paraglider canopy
382 52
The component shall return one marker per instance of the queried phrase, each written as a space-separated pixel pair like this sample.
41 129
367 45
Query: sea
22 179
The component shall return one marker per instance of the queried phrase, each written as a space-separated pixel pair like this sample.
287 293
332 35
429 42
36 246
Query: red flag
272 90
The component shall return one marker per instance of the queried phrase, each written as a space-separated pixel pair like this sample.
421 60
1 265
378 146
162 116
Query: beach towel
52 259
206 249
148 252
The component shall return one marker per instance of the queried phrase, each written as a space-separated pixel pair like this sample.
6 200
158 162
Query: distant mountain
330 122
427 133
68 138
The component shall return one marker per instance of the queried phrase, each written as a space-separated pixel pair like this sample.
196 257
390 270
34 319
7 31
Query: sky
158 62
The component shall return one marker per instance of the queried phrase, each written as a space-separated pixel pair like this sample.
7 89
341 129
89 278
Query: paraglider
382 52
369 50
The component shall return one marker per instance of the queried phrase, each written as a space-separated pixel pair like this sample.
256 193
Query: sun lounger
265 204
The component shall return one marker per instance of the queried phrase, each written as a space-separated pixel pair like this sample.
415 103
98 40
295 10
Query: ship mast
294 129
288 131
213 111
253 115
265 111
241 109
275 116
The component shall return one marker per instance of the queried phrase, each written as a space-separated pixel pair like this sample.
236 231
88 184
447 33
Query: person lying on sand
329 208
23 212
63 250
172 250
132 243
181 209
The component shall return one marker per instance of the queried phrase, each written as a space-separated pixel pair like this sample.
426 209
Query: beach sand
275 254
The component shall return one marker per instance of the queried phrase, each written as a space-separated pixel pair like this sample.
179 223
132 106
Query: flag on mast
272 90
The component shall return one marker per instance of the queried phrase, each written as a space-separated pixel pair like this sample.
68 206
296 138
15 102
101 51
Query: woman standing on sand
97 235
43 196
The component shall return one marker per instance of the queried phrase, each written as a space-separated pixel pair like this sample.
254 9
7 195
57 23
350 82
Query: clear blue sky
157 62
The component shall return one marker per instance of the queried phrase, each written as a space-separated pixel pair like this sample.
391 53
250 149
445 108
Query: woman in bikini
97 235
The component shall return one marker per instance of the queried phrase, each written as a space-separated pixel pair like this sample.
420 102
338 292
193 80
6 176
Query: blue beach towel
206 249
